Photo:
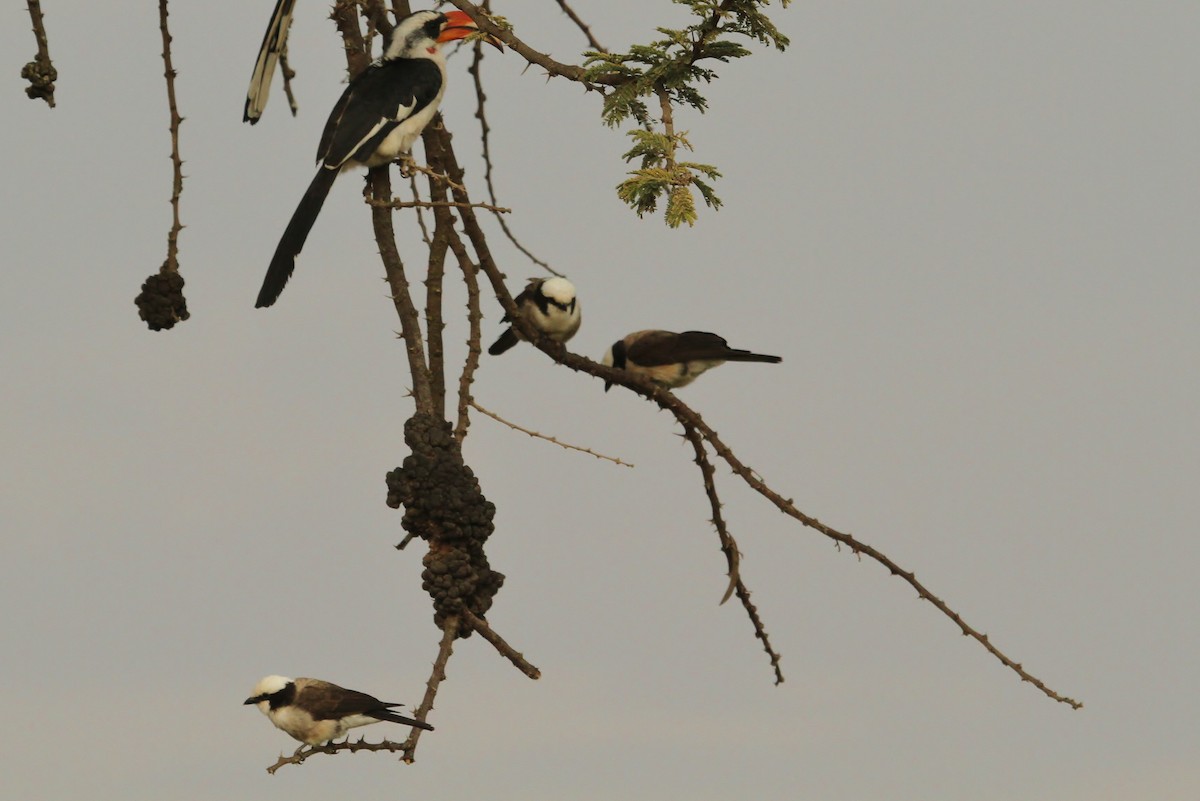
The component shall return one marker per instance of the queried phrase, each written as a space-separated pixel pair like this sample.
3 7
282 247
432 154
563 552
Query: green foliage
672 62
670 69
660 174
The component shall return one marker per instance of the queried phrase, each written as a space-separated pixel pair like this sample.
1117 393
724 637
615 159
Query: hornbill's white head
421 34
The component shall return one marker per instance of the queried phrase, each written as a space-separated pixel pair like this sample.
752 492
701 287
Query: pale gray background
971 231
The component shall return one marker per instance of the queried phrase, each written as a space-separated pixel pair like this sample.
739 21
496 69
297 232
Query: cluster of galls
41 76
161 303
444 506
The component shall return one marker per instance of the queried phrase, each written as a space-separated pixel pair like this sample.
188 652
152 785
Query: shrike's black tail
292 241
383 714
737 355
507 340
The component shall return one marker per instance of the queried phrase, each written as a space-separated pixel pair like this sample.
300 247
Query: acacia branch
786 506
507 651
686 416
728 544
434 326
379 181
345 16
438 140
732 556
444 223
401 8
172 262
436 677
378 193
288 73
475 325
571 447
375 13
552 67
40 72
485 146
579 23
303 753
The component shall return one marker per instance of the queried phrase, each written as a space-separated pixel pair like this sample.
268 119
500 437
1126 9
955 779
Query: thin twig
288 73
475 234
728 544
760 631
172 262
485 146
40 72
416 204
512 655
732 556
579 23
470 272
569 446
437 176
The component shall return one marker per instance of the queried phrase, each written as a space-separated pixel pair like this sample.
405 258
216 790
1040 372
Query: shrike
674 360
376 120
314 711
548 303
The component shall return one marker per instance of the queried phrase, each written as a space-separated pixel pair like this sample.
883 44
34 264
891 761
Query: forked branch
687 417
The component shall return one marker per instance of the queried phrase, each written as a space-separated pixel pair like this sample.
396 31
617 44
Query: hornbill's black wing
380 98
274 43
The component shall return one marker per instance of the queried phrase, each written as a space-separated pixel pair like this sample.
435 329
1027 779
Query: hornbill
550 305
674 360
377 119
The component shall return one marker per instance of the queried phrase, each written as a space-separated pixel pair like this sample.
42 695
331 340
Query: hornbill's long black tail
292 241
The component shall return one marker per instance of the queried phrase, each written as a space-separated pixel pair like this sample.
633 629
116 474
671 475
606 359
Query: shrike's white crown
559 290
269 685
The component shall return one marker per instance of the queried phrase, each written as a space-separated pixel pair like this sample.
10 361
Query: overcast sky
970 230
